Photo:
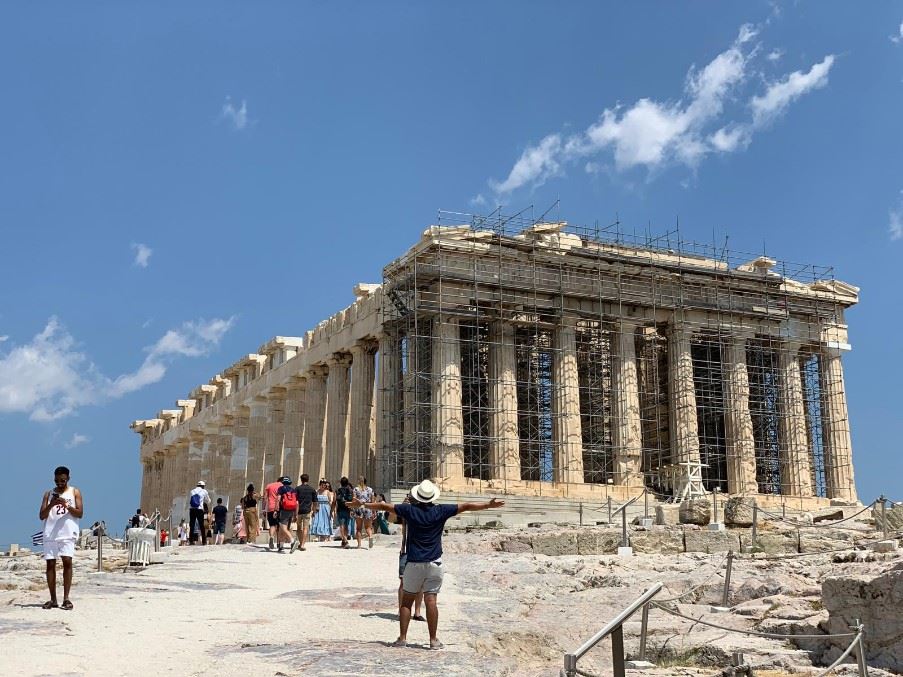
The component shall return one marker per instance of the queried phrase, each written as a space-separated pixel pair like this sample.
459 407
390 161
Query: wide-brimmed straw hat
425 492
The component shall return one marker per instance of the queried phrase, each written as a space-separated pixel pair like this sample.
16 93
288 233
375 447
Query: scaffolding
510 283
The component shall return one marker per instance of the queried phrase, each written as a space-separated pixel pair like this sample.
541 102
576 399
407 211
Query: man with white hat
196 501
425 520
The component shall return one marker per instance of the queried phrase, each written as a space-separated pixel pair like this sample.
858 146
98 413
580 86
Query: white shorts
423 577
54 549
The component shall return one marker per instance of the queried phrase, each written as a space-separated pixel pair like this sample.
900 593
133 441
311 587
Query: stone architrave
363 372
389 411
567 431
274 445
296 393
447 413
337 391
682 394
238 464
836 424
741 444
796 470
257 432
627 433
312 462
504 441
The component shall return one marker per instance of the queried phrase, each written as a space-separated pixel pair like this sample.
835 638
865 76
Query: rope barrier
842 656
701 585
754 633
832 525
795 555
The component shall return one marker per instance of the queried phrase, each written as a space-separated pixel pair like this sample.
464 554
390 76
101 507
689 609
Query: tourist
425 520
183 533
402 561
164 535
136 519
363 517
251 518
307 496
61 508
271 496
321 524
288 510
198 501
238 523
343 498
220 513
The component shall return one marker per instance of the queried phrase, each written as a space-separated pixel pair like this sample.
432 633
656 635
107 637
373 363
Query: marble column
796 470
738 427
221 440
257 431
180 486
684 423
147 466
447 421
157 486
337 387
313 460
627 432
238 464
504 440
389 411
363 370
295 395
836 425
195 458
274 443
567 430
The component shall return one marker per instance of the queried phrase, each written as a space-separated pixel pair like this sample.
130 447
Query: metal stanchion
581 513
883 500
646 503
859 650
625 542
609 511
644 629
715 505
725 597
755 524
100 532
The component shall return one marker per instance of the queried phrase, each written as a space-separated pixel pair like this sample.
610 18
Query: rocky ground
238 609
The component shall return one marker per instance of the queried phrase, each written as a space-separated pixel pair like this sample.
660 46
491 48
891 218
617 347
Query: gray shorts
425 577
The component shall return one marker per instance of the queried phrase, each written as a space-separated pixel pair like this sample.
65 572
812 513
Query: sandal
418 617
399 643
66 605
435 645
50 604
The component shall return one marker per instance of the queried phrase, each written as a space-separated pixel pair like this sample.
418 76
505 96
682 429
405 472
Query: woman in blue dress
321 524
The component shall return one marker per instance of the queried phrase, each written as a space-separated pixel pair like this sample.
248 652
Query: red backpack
289 500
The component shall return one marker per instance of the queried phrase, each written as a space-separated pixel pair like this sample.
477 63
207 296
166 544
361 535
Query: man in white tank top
61 508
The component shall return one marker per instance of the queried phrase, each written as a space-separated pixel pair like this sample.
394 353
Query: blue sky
178 184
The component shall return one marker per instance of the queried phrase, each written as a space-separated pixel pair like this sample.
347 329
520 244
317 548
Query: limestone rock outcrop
697 511
738 511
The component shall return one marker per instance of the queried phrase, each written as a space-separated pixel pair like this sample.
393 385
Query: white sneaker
294 545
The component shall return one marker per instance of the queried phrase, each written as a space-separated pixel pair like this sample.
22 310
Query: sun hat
425 492
202 483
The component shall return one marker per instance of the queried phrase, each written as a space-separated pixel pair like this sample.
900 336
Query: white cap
201 483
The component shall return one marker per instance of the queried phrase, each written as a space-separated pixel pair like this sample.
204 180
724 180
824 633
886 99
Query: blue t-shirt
425 523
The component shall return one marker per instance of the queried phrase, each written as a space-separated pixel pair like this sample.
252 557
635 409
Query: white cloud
654 133
77 440
50 376
898 38
895 220
142 254
775 55
4 338
237 116
781 94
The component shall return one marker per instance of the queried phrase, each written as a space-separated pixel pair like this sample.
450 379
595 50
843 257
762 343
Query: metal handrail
613 628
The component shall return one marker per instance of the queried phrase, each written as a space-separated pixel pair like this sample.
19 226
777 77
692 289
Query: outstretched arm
373 505
472 507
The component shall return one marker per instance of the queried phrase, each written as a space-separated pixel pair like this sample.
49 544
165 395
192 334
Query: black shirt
136 521
307 496
220 513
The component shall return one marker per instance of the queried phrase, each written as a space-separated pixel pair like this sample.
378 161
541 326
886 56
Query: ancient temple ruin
520 356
